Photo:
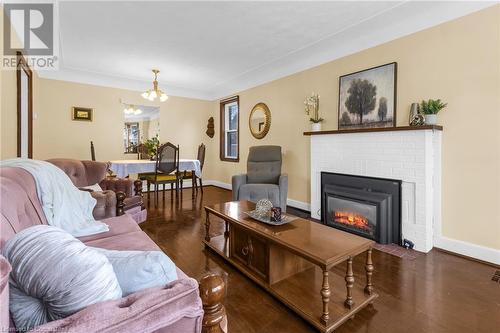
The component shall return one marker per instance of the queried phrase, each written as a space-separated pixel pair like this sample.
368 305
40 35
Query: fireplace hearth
365 206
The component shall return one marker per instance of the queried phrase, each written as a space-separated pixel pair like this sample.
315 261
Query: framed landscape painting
79 113
367 99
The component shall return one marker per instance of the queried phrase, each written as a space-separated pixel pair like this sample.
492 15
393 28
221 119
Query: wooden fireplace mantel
383 129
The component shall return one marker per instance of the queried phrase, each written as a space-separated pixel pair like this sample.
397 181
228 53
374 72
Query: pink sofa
175 308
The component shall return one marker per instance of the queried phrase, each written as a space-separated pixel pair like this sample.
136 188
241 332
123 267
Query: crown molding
111 81
401 20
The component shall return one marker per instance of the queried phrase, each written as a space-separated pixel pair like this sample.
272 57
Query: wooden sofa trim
212 291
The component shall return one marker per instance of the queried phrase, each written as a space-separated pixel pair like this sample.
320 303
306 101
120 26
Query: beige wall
154 128
459 62
182 121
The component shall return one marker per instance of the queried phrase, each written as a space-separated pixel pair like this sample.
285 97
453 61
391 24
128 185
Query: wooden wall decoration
210 127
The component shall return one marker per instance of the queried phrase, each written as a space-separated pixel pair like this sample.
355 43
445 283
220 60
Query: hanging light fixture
132 109
152 94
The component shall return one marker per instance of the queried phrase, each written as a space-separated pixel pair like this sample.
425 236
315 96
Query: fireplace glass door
350 215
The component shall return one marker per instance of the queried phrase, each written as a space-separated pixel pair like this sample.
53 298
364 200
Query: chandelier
152 94
132 109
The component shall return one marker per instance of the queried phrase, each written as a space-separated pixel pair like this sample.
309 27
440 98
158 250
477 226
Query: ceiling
208 50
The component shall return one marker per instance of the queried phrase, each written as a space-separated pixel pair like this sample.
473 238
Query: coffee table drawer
249 251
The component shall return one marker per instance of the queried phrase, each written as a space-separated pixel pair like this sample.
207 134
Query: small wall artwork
79 113
367 99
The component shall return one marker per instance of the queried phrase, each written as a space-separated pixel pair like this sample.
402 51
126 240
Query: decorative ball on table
263 207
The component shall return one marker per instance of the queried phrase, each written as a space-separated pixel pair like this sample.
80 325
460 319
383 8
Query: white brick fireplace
411 155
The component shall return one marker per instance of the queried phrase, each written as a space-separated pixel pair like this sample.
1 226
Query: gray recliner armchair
263 179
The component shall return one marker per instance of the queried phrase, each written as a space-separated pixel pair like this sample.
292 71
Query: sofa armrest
149 310
125 185
237 181
283 184
106 204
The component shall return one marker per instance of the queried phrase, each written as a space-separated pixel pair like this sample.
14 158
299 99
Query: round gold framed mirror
259 120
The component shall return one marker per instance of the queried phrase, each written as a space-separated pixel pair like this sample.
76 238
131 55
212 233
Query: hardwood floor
437 292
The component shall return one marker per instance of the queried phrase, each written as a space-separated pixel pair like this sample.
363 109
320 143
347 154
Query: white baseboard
218 184
289 202
468 249
299 204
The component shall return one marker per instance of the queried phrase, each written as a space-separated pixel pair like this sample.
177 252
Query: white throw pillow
137 270
55 275
94 188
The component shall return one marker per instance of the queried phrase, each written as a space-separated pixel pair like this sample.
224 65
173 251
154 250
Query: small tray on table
267 219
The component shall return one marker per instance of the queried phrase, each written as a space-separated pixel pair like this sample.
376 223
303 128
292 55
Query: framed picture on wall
79 113
367 99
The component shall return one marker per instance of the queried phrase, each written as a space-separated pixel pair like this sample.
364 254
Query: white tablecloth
123 168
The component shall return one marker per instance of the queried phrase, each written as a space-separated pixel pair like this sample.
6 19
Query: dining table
123 168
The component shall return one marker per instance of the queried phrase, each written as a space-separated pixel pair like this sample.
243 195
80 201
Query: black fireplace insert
365 206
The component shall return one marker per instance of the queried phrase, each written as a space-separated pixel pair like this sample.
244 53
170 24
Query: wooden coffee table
295 263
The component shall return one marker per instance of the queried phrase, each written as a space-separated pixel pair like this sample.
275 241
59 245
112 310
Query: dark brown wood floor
437 292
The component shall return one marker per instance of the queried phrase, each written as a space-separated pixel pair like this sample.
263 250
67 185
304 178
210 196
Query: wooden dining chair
92 151
92 157
142 152
166 170
191 175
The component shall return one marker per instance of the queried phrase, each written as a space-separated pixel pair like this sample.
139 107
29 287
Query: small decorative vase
276 214
416 117
431 119
315 127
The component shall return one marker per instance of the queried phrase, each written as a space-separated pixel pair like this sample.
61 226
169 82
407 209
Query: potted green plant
312 109
430 109
152 146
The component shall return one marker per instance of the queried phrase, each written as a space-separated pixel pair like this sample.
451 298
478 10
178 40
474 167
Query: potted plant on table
430 109
312 109
152 146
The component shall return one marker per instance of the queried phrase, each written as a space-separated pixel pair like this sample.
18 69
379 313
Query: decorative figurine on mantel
312 109
416 117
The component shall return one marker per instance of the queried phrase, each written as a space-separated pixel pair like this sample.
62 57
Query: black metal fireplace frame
364 184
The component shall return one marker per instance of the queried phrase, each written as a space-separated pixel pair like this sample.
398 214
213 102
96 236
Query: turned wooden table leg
325 296
193 183
349 282
207 227
369 272
226 232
